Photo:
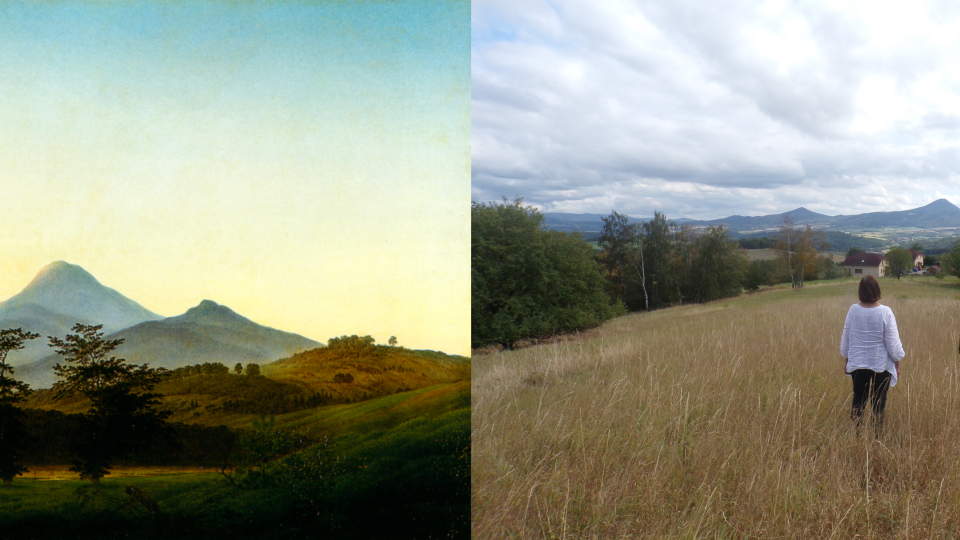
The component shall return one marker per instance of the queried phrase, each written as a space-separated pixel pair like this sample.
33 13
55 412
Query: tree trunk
643 279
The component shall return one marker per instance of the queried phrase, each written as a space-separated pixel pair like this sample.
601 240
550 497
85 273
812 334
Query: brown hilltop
374 369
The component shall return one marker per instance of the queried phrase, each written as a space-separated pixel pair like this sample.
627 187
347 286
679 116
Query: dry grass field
723 420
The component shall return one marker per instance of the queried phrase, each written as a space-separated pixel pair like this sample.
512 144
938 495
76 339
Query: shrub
528 282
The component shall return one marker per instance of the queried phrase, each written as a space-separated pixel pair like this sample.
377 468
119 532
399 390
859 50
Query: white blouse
871 341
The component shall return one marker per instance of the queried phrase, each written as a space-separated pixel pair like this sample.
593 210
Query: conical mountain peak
61 295
62 273
941 205
209 306
210 312
71 292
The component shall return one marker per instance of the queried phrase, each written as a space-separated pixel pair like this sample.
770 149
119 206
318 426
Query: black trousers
872 386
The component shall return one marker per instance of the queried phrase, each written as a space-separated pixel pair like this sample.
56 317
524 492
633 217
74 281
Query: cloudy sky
708 109
304 163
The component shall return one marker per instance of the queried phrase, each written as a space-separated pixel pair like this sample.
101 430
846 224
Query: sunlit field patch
63 472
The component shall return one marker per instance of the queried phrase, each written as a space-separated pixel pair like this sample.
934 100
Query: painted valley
115 421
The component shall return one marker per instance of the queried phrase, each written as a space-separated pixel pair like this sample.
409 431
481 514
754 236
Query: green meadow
394 465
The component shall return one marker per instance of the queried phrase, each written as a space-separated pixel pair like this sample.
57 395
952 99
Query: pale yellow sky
307 166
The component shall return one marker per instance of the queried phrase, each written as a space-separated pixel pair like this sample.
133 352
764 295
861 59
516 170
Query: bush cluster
528 282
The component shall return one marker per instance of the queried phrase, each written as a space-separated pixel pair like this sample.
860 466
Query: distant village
875 264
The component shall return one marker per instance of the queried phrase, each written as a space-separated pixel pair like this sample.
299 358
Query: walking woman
872 349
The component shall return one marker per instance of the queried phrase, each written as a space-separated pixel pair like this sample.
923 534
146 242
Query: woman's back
870 339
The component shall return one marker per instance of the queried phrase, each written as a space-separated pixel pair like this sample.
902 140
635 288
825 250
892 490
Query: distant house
933 270
864 264
917 259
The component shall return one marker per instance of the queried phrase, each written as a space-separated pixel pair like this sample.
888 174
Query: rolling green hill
211 394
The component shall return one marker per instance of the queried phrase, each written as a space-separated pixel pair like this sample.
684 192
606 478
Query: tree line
528 282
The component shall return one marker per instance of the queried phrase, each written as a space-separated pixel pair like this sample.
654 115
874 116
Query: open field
722 420
770 254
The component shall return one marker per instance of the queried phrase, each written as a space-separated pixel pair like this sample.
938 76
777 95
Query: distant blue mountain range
939 213
64 294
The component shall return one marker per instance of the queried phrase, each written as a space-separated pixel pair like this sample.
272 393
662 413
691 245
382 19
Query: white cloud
702 109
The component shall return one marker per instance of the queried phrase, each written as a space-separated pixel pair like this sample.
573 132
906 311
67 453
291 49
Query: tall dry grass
725 420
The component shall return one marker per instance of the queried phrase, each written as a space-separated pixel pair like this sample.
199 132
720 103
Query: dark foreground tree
527 282
13 435
124 410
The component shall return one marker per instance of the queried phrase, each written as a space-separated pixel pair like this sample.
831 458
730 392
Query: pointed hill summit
208 332
61 295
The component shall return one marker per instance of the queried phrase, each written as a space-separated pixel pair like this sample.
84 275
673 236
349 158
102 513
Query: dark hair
869 290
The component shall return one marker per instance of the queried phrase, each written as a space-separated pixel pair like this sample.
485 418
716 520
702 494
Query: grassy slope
412 447
726 420
393 373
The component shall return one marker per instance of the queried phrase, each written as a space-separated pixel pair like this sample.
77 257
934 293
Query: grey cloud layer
707 109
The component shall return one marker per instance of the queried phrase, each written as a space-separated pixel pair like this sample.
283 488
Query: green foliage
716 267
12 391
393 341
756 243
238 368
124 408
759 273
655 265
899 261
253 370
797 251
13 434
827 269
834 240
951 260
854 250
207 368
353 342
256 449
620 256
353 346
527 282
666 257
